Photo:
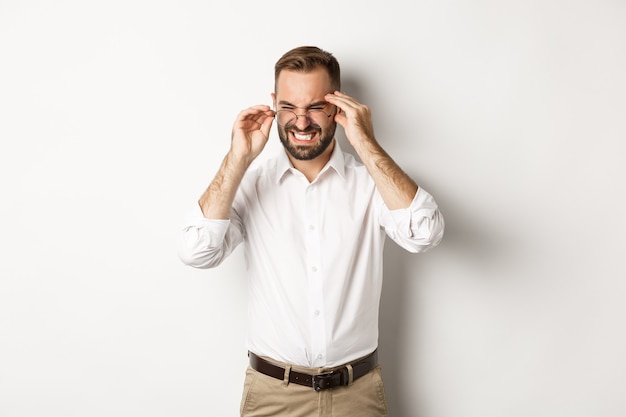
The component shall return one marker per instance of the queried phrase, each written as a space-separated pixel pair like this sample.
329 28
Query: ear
274 100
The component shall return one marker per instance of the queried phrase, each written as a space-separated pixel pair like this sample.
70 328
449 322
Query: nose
302 121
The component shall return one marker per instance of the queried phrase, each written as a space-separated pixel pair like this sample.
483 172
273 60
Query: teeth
303 137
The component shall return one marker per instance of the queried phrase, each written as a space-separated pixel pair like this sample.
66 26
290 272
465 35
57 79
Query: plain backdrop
114 117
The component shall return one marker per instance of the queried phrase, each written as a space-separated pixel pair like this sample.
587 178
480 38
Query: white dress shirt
313 253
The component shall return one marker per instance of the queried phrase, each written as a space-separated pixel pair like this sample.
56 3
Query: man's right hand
250 132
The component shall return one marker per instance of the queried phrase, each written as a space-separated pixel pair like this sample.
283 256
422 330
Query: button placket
315 281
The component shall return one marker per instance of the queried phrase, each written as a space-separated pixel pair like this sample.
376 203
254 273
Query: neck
311 168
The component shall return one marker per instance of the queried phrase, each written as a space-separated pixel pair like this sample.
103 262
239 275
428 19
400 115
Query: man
313 221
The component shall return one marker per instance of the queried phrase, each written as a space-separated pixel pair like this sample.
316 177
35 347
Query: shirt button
314 269
317 313
320 356
311 227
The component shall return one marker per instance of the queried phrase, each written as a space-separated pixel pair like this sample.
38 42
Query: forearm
395 187
250 133
216 202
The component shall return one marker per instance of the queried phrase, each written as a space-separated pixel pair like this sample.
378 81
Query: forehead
301 88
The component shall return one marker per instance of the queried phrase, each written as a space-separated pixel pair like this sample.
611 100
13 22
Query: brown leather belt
319 382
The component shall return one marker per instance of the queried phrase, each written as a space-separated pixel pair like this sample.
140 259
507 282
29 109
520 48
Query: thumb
341 119
266 126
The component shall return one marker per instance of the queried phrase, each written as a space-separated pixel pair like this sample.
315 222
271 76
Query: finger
343 101
332 99
251 119
259 107
266 125
343 96
342 119
253 111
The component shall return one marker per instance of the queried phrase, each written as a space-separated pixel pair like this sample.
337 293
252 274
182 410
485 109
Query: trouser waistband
338 377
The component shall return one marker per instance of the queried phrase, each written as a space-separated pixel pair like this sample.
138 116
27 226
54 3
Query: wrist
365 144
237 161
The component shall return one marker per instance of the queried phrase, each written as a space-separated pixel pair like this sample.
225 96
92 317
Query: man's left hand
354 117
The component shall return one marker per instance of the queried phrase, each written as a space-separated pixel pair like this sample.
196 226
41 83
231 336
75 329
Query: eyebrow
314 104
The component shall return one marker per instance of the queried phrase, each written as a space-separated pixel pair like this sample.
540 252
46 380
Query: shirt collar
336 162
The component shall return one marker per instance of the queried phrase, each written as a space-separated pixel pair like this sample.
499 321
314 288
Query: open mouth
306 136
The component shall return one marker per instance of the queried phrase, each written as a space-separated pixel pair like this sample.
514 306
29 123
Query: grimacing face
306 139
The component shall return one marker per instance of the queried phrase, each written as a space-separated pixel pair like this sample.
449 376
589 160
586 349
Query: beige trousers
264 396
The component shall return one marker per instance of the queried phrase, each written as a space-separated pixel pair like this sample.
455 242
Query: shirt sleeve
205 243
416 228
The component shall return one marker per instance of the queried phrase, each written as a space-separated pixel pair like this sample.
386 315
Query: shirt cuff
208 230
422 206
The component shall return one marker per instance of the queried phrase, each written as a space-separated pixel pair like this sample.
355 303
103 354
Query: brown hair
306 59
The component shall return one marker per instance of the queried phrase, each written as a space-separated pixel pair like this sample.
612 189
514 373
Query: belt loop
286 377
350 374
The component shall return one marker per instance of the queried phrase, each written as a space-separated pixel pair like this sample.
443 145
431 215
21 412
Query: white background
115 115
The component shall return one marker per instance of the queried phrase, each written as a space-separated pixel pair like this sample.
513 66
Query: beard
307 152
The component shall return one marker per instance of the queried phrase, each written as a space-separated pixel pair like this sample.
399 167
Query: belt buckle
319 379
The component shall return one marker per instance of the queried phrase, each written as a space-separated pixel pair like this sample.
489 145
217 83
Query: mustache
309 128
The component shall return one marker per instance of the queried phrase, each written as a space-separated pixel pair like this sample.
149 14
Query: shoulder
350 161
261 170
356 175
354 166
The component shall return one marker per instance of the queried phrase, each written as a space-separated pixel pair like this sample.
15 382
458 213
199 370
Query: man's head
303 76
306 59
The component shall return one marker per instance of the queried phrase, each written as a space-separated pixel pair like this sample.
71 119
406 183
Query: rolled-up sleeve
205 243
416 228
